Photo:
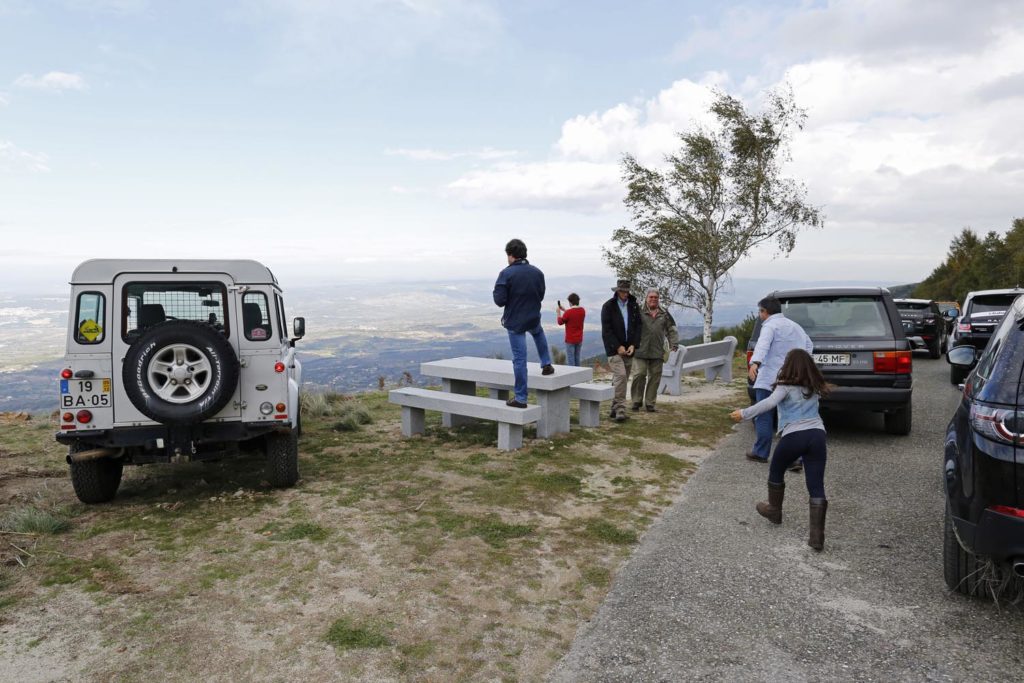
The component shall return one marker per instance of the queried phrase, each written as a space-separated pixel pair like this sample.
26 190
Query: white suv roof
102 271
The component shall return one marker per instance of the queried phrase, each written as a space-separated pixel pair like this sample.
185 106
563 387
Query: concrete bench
590 395
714 358
510 420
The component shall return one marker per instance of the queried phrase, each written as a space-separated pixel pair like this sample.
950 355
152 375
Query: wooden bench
714 358
590 395
510 420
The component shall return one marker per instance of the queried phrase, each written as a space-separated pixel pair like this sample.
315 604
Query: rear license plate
832 358
84 393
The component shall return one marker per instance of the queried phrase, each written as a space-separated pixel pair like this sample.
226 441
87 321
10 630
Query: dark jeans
517 340
808 444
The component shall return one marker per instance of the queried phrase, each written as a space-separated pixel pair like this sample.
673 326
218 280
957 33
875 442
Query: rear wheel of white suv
95 481
282 451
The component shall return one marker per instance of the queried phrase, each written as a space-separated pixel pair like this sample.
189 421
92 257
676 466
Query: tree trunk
708 313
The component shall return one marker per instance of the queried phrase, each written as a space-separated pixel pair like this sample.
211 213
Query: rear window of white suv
839 316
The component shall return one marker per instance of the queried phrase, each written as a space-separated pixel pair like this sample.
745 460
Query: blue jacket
520 289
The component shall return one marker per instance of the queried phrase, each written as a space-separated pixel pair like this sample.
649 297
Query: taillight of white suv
999 424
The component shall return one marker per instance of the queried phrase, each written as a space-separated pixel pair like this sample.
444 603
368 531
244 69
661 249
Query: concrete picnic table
460 376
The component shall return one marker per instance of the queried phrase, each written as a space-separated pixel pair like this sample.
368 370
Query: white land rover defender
172 361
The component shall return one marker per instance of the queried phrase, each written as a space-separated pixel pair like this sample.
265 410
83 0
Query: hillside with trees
975 262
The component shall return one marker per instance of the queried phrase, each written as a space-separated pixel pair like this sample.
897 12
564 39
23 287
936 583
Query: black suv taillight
999 424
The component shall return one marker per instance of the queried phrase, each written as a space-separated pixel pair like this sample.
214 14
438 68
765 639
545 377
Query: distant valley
356 333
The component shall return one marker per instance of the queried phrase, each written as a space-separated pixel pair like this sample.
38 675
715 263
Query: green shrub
32 520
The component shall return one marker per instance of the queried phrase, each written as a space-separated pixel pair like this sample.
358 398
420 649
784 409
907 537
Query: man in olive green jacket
657 326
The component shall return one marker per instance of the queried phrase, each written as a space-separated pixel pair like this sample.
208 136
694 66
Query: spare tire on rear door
180 372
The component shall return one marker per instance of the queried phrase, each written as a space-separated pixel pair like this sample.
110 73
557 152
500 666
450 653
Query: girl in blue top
796 391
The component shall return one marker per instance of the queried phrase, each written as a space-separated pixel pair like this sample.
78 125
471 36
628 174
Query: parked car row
863 342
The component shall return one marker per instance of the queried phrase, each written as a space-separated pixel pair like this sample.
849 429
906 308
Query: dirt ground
427 559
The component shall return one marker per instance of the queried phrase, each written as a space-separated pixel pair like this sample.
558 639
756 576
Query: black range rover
925 324
861 348
984 464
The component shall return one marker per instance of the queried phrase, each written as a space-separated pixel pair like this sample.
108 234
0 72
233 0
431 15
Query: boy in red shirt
572 318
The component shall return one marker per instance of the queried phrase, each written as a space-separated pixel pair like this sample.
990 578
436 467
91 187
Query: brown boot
817 536
772 510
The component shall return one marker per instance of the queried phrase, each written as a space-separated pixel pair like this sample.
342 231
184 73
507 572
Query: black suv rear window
909 306
149 303
839 316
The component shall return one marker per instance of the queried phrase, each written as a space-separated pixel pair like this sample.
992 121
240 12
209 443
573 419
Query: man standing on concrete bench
520 290
620 331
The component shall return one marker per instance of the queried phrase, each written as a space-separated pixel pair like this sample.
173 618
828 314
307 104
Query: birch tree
722 196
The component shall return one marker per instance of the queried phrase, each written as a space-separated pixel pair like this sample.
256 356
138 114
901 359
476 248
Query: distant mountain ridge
360 332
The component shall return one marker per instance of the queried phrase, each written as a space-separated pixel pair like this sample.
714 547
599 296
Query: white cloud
3 99
573 185
54 81
908 140
422 154
16 160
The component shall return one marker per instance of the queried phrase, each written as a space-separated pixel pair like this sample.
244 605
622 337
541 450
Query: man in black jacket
620 331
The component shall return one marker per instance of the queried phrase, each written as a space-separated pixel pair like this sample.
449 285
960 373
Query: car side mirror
951 313
962 357
298 328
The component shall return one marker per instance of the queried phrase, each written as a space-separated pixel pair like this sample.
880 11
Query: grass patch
490 529
604 531
345 635
296 532
598 577
96 574
31 520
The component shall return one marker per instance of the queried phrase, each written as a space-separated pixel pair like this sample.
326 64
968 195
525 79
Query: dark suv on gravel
983 546
926 325
860 347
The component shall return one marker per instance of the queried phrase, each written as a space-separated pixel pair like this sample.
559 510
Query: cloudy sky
385 139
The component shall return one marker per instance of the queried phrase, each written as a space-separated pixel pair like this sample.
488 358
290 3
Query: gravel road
715 592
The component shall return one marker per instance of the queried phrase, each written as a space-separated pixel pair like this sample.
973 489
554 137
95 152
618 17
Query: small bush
351 416
32 520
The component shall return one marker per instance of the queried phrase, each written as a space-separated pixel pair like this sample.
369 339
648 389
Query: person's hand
674 348
621 351
630 350
560 309
736 416
752 373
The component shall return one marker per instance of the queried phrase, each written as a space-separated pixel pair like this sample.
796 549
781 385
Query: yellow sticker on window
90 330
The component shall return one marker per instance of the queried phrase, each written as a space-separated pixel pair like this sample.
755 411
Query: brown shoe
750 456
651 409
512 403
547 370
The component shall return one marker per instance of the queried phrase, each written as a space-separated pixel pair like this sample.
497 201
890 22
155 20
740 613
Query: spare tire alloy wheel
180 372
